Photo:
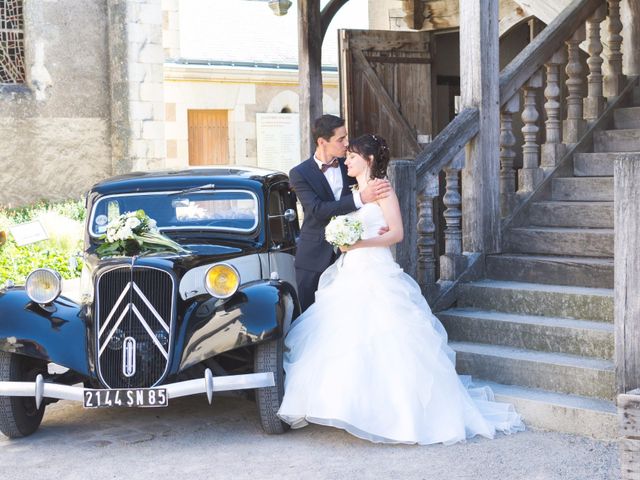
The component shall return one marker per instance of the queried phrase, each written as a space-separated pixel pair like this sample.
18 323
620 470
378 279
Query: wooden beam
630 12
626 184
310 71
479 73
402 175
328 12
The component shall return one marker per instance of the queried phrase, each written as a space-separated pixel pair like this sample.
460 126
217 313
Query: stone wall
136 80
54 131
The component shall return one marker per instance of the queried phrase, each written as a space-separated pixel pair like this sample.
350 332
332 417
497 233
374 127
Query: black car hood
199 254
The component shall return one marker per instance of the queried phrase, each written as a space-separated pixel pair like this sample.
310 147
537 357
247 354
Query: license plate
126 397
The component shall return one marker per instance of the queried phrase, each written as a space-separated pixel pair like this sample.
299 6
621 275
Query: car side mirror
289 215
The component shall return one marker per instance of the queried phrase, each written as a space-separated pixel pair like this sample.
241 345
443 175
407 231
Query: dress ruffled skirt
370 357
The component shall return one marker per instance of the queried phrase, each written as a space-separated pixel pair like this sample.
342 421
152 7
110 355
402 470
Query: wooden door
208 137
386 86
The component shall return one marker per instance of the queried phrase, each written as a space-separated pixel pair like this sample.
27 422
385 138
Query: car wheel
268 358
19 416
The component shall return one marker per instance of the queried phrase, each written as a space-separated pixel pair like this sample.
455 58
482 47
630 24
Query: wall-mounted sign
29 232
278 140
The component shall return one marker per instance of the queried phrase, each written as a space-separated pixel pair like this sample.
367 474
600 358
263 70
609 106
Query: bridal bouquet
134 233
343 230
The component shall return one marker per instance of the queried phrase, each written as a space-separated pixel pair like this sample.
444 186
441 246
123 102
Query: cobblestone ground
191 440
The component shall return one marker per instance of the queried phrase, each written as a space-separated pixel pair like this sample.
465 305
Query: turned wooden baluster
614 80
553 150
452 263
531 174
507 154
426 271
594 103
574 125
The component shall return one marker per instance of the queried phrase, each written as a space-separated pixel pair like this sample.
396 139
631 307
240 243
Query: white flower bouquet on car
343 230
135 233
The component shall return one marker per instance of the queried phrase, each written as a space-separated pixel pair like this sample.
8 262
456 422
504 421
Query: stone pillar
137 78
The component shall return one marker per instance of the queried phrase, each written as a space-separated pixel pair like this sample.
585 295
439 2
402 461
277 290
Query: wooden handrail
452 139
447 144
548 42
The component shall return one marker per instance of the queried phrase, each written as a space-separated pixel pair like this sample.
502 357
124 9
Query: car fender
257 313
55 333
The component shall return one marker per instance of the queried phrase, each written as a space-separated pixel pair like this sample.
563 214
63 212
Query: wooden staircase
539 327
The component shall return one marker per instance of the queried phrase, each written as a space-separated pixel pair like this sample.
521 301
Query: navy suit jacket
313 252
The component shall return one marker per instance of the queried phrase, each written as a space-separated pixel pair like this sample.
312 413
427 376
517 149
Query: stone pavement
192 440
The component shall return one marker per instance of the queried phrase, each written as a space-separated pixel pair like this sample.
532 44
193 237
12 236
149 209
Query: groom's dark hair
324 127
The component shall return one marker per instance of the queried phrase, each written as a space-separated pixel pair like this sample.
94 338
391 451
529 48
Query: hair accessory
374 137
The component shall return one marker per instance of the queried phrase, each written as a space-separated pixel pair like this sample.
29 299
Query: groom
322 187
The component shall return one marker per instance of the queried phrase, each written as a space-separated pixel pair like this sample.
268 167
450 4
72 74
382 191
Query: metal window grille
12 69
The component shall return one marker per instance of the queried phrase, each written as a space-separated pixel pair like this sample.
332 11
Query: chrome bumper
209 384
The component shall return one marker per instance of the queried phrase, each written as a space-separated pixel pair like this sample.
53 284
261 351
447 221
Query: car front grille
134 316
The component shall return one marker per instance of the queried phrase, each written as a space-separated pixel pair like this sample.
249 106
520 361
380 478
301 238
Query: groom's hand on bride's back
376 190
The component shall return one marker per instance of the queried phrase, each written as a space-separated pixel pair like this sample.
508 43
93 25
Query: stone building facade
106 89
90 102
55 119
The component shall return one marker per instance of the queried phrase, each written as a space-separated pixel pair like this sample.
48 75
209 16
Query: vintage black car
150 328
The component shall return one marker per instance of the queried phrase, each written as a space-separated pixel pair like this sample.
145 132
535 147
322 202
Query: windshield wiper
208 186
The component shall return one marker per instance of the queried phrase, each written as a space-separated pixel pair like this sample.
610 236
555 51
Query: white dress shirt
334 177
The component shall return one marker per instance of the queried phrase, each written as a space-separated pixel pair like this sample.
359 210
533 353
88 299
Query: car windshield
232 210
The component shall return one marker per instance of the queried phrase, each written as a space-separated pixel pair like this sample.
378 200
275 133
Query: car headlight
222 280
43 285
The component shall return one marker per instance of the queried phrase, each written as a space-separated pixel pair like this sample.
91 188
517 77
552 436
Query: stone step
545 334
564 301
579 242
626 118
582 189
571 214
550 269
559 412
617 140
555 372
593 164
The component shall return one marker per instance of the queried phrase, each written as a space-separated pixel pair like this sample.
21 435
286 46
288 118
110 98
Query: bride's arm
393 217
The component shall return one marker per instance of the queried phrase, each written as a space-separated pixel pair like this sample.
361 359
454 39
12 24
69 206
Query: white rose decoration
132 222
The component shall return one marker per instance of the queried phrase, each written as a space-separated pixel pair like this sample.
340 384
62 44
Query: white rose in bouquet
343 230
132 222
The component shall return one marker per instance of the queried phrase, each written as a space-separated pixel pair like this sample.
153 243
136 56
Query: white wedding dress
371 358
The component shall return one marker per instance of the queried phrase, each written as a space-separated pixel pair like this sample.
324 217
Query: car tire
19 416
268 358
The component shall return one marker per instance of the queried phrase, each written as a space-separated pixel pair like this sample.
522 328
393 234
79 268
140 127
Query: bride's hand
346 248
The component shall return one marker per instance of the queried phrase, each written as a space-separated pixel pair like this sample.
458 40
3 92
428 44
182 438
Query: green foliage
63 222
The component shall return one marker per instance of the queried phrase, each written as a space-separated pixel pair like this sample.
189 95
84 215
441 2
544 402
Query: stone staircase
539 327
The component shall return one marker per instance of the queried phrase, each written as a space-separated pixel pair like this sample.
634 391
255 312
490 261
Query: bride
369 356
